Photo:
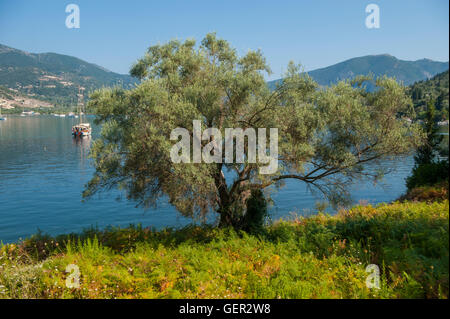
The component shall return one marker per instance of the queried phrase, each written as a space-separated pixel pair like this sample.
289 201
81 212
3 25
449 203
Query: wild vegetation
315 257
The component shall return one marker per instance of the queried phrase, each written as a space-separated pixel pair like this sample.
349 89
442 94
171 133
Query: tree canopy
427 153
326 136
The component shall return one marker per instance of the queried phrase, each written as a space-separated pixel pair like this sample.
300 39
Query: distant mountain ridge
407 72
54 77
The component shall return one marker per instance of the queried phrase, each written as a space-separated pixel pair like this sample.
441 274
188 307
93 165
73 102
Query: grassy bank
315 257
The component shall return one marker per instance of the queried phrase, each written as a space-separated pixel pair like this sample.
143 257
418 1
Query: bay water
43 171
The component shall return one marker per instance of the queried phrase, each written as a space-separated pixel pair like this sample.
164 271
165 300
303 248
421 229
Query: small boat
81 129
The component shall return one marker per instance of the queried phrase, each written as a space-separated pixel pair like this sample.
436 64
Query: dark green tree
426 153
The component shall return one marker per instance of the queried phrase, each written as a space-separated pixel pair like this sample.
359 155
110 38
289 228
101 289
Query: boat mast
80 103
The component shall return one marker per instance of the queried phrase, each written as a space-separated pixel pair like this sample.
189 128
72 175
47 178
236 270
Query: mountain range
407 72
55 78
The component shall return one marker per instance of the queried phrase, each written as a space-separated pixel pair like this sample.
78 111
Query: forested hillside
435 88
53 77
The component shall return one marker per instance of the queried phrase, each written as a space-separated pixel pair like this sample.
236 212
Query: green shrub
256 214
428 174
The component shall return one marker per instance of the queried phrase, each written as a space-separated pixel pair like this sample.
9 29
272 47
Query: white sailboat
81 129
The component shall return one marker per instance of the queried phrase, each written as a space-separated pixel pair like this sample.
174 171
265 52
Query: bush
437 192
428 174
256 214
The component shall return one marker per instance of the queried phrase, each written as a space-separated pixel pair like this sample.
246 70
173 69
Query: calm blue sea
43 171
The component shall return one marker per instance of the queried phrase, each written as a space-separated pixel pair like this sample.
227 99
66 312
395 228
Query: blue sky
315 33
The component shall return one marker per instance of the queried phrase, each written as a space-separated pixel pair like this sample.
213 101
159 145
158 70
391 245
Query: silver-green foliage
327 136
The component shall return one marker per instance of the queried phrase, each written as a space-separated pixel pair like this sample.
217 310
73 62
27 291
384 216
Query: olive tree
327 137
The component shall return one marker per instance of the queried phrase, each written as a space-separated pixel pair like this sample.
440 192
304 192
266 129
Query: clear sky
315 33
